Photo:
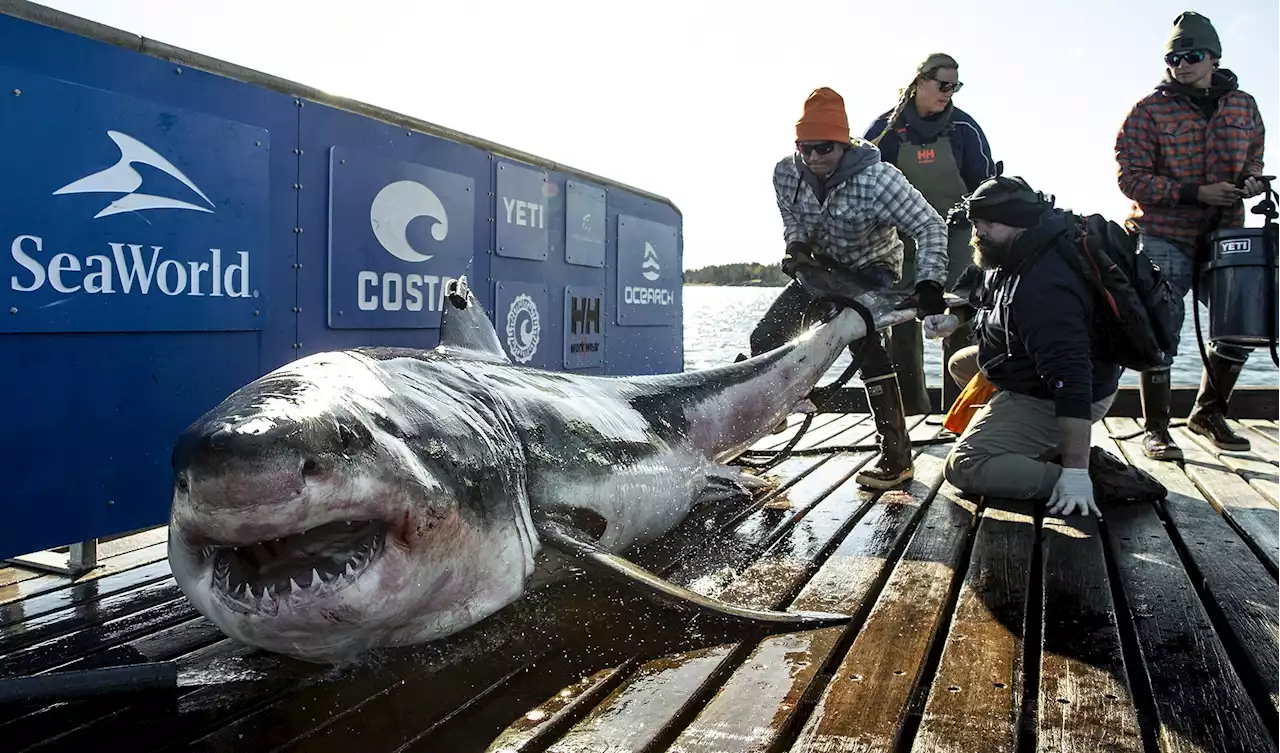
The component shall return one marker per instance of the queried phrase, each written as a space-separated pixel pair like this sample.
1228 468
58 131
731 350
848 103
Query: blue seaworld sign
123 215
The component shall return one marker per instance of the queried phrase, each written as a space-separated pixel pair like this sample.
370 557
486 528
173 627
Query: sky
697 100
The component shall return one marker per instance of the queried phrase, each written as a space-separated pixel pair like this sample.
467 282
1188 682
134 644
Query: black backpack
1135 315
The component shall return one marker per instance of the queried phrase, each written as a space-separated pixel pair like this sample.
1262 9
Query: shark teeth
318 562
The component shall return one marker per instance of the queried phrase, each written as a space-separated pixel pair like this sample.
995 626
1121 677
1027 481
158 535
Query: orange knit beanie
823 118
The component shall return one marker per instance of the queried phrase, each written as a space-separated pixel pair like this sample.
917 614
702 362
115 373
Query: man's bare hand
1220 194
1253 187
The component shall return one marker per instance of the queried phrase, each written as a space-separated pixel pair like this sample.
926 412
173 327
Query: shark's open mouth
319 561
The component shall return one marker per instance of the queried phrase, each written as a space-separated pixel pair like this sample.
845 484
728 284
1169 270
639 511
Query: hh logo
925 156
585 319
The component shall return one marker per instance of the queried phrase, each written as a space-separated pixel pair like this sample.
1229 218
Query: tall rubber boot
894 464
1209 417
1157 395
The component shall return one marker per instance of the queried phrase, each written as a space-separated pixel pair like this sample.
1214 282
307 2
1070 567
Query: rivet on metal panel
111 503
297 266
178 71
342 162
339 313
13 310
297 230
256 312
408 133
17 92
257 143
297 186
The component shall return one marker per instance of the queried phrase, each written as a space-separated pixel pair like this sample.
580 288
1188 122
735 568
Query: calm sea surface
718 323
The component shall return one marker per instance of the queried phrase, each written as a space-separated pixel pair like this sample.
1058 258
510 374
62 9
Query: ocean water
718 323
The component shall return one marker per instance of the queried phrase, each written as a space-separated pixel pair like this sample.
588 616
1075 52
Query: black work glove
797 253
927 300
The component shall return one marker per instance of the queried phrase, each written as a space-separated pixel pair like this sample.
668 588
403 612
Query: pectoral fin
579 546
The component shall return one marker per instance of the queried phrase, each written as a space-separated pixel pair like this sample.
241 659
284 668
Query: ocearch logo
393 209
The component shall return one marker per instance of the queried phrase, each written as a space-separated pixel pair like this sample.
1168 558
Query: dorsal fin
464 325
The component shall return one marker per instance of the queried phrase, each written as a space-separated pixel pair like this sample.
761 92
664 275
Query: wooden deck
979 625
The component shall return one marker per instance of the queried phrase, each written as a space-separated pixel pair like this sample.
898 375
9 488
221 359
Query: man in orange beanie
842 208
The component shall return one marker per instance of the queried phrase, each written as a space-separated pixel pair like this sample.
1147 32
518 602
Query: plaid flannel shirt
857 226
1166 150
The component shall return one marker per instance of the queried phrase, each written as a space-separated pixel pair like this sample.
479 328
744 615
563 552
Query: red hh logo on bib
925 155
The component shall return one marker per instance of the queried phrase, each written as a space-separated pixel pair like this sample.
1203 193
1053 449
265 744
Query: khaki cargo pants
1000 452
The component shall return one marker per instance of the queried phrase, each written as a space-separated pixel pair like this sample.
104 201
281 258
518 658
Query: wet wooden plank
1237 584
108 550
1085 703
20 598
63 649
715 564
1199 700
814 438
81 616
865 705
1234 498
975 700
55 724
1265 427
82 598
667 690
794 422
1251 466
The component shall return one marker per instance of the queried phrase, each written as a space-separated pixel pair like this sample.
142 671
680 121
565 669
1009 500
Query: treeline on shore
750 273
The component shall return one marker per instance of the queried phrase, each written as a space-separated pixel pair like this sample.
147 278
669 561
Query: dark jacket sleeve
1053 309
976 162
887 140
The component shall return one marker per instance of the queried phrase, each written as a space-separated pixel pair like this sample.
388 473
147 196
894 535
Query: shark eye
182 483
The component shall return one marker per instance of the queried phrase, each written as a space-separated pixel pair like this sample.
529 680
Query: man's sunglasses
1174 59
822 147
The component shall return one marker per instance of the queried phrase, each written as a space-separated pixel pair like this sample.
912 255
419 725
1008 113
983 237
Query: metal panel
92 415
398 232
128 215
584 336
649 274
521 316
585 221
521 212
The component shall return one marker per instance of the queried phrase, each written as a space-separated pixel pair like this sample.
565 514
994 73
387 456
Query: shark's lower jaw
294 570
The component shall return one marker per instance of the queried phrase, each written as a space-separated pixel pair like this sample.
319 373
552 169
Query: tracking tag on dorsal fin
465 326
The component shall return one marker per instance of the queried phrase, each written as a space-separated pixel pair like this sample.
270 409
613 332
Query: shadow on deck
978 625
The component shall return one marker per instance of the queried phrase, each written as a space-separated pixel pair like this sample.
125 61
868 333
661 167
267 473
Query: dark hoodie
1036 323
858 156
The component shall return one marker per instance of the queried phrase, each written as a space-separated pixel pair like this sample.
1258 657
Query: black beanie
1192 31
1009 201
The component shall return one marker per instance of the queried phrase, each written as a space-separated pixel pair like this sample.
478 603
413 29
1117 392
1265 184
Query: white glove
937 326
1073 493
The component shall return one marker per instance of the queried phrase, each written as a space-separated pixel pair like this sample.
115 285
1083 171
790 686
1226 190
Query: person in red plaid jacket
1189 153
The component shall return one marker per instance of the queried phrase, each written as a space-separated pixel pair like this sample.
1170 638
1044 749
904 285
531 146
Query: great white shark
379 497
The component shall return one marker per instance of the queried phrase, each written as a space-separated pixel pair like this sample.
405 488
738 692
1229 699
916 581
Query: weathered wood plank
826 434
794 422
1199 700
758 705
108 551
1234 498
1085 701
865 705
976 698
710 567
1237 584
1250 466
641 712
1265 427
87 586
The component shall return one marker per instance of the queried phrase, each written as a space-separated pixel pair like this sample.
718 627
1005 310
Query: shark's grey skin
374 497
